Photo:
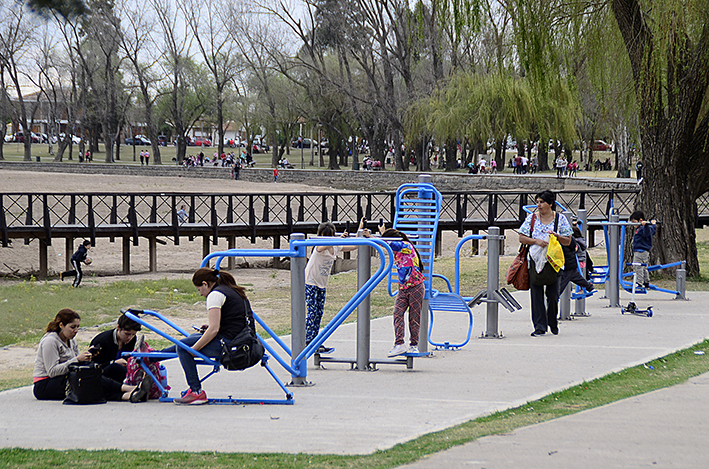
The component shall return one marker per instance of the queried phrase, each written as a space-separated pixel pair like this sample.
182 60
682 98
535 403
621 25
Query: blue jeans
212 349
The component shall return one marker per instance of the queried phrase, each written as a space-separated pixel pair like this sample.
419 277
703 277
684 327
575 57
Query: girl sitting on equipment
411 289
228 311
317 274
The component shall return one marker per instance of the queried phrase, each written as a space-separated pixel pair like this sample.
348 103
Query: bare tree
16 43
139 48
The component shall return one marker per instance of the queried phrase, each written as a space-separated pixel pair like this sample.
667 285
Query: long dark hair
217 277
65 316
394 233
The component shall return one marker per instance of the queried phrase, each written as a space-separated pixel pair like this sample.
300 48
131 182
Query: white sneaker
399 349
413 349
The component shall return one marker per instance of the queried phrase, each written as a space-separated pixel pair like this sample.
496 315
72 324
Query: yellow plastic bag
555 255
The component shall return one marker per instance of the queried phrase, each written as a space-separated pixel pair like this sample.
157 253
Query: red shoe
193 398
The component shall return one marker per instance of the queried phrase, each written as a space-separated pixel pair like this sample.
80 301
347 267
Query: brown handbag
518 273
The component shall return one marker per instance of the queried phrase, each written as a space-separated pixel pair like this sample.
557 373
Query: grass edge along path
673 369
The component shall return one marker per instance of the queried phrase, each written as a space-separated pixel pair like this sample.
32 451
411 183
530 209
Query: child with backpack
317 274
407 262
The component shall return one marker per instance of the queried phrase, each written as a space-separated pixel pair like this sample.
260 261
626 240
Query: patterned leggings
411 298
315 301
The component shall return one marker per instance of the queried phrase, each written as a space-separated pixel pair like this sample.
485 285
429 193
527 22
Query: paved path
349 412
664 428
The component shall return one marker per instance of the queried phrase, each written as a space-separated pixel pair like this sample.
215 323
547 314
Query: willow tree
667 52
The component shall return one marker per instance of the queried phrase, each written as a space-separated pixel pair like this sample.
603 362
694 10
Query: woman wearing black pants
535 231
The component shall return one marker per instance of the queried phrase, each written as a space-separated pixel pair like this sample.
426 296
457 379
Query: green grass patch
27 307
667 371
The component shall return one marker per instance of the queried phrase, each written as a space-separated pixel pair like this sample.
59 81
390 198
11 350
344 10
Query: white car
74 139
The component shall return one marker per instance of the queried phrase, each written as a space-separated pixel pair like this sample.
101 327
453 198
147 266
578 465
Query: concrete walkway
665 428
349 412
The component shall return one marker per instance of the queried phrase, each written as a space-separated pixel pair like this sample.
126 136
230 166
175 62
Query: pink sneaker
192 398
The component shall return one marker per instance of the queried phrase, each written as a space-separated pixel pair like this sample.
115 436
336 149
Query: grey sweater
54 356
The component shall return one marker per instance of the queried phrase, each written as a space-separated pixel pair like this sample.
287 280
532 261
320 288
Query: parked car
162 140
305 144
202 142
138 140
600 145
20 137
74 139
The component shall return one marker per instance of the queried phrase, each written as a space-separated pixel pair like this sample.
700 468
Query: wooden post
231 244
277 245
205 246
126 255
42 259
68 252
153 253
476 244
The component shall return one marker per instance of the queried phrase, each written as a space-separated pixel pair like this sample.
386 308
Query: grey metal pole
423 344
682 282
493 280
364 316
614 248
297 307
565 298
580 306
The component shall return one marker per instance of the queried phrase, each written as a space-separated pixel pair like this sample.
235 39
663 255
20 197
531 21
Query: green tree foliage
667 55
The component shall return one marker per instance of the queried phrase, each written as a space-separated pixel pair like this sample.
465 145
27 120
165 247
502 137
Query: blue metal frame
297 366
628 286
451 301
417 217
202 360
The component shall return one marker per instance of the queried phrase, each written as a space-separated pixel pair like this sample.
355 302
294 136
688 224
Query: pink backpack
134 373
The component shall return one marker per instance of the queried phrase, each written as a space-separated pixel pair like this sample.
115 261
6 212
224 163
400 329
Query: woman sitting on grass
58 349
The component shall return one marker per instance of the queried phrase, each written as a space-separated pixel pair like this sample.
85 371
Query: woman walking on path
543 279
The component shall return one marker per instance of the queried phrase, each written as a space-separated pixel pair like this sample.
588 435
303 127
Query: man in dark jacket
81 255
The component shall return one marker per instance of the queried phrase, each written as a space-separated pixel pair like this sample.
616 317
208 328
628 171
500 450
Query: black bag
546 277
84 384
243 351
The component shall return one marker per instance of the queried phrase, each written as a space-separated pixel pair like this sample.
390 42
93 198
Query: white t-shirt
317 272
215 299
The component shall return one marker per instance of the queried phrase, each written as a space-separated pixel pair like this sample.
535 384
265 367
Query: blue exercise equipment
418 207
135 315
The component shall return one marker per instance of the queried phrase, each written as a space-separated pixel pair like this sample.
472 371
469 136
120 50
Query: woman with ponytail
228 311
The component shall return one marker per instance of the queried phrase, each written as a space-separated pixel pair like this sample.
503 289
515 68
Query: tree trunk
451 155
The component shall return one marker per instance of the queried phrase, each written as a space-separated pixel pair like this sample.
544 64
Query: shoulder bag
518 273
84 385
243 351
